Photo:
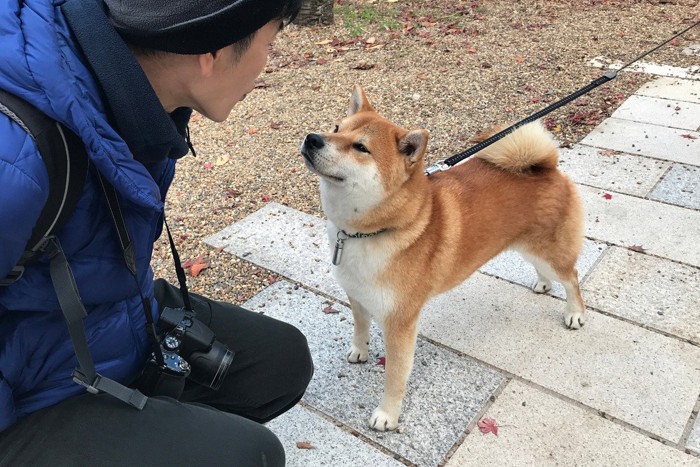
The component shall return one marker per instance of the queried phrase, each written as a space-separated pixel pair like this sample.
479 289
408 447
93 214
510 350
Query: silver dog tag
338 252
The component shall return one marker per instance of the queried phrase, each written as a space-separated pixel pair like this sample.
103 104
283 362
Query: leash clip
439 166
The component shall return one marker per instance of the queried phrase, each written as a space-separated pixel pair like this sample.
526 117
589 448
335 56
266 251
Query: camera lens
210 368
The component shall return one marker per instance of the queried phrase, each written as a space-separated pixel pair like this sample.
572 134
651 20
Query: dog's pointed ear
358 101
414 144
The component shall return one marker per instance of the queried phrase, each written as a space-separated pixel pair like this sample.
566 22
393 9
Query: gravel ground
452 67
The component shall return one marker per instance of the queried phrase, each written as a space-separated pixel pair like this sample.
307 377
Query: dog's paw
382 421
357 355
575 319
542 286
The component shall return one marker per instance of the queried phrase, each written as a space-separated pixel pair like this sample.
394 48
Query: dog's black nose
314 141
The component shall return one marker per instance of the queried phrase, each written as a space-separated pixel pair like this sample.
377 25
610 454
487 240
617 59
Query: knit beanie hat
194 26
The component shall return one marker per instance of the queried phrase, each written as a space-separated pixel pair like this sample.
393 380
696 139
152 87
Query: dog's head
364 161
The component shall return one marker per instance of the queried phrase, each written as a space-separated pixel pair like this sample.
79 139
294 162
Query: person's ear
206 62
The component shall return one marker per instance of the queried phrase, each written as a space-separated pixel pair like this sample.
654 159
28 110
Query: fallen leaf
371 40
266 198
198 266
275 125
607 196
324 42
422 76
271 280
207 165
638 248
329 310
689 136
223 159
305 445
382 361
231 193
488 425
363 66
519 59
252 131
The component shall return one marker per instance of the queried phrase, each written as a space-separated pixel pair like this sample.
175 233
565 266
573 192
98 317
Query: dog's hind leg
562 270
400 336
359 352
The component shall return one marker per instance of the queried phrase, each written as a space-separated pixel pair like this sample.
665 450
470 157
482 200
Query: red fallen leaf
271 280
329 310
207 165
266 198
305 445
535 99
638 248
188 264
689 136
382 361
198 266
275 125
184 237
519 59
674 42
232 193
321 61
443 70
607 196
488 425
252 131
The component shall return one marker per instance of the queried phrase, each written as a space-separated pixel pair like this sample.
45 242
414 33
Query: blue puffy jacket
69 62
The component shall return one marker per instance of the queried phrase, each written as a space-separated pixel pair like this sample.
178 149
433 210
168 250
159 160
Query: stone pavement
623 390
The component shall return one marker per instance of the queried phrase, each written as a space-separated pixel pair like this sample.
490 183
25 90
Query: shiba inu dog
399 237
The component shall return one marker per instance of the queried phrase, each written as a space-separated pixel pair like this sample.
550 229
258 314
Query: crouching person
124 76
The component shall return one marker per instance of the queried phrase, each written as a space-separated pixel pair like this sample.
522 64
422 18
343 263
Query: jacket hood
41 62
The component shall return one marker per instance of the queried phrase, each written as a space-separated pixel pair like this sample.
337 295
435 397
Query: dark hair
195 26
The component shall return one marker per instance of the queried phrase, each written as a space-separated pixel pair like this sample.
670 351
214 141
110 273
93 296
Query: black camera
189 349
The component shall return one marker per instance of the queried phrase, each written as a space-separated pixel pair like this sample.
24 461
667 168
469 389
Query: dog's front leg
400 342
359 352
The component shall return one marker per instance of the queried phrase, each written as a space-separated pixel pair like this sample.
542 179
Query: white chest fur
358 272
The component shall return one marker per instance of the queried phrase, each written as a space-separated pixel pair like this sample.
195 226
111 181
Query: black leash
457 158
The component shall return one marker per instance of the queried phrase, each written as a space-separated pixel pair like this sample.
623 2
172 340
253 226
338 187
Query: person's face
226 81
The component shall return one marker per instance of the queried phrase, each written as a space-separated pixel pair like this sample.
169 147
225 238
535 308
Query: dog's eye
360 147
335 130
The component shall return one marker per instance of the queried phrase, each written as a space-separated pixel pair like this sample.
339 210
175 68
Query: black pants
269 374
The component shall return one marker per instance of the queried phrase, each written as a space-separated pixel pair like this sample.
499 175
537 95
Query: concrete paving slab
680 186
661 229
672 88
332 446
539 429
445 390
610 365
612 170
510 266
646 139
648 290
660 111
694 438
284 240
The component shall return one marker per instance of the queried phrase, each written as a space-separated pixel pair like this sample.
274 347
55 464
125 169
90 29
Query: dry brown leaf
305 445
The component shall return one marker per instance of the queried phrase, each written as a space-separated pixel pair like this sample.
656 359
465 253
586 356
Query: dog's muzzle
312 143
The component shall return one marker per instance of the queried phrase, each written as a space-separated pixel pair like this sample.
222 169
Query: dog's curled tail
530 146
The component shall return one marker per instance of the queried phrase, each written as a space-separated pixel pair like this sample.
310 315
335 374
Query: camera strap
129 255
179 270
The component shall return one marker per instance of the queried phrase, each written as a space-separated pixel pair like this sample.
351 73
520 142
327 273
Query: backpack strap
66 163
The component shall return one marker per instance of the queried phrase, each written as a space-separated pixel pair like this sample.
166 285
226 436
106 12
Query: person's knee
297 358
